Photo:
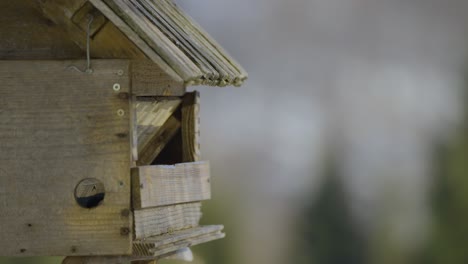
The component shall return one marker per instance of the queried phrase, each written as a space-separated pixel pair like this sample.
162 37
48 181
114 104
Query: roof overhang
174 41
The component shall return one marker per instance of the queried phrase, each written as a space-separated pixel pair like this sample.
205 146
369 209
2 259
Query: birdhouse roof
174 41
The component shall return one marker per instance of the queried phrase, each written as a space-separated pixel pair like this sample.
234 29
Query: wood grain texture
107 43
148 79
110 260
58 127
111 40
191 127
158 141
152 114
97 260
136 39
25 34
156 39
166 185
161 245
82 15
178 40
156 221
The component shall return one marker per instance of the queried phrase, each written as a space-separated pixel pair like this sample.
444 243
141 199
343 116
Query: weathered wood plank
58 127
82 17
150 80
134 129
188 243
163 23
156 221
158 141
97 260
215 51
186 48
152 35
165 185
107 43
161 245
105 260
164 240
120 24
191 127
26 34
152 113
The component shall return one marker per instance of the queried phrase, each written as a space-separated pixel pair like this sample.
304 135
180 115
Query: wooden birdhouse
99 140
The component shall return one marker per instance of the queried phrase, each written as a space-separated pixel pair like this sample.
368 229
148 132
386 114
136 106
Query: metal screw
116 87
120 72
120 112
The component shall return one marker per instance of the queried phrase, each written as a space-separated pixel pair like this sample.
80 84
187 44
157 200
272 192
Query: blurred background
349 142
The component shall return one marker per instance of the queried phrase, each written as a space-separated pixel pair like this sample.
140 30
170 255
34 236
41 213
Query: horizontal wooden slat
170 184
168 243
188 243
152 222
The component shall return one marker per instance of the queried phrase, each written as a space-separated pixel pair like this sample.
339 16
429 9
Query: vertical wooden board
170 184
191 127
57 127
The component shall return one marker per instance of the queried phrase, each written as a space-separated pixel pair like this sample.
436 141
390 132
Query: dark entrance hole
89 193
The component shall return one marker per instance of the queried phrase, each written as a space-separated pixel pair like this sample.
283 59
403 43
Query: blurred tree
328 232
450 201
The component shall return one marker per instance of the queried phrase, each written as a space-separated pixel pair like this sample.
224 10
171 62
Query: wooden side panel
26 34
57 127
165 185
156 221
191 127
